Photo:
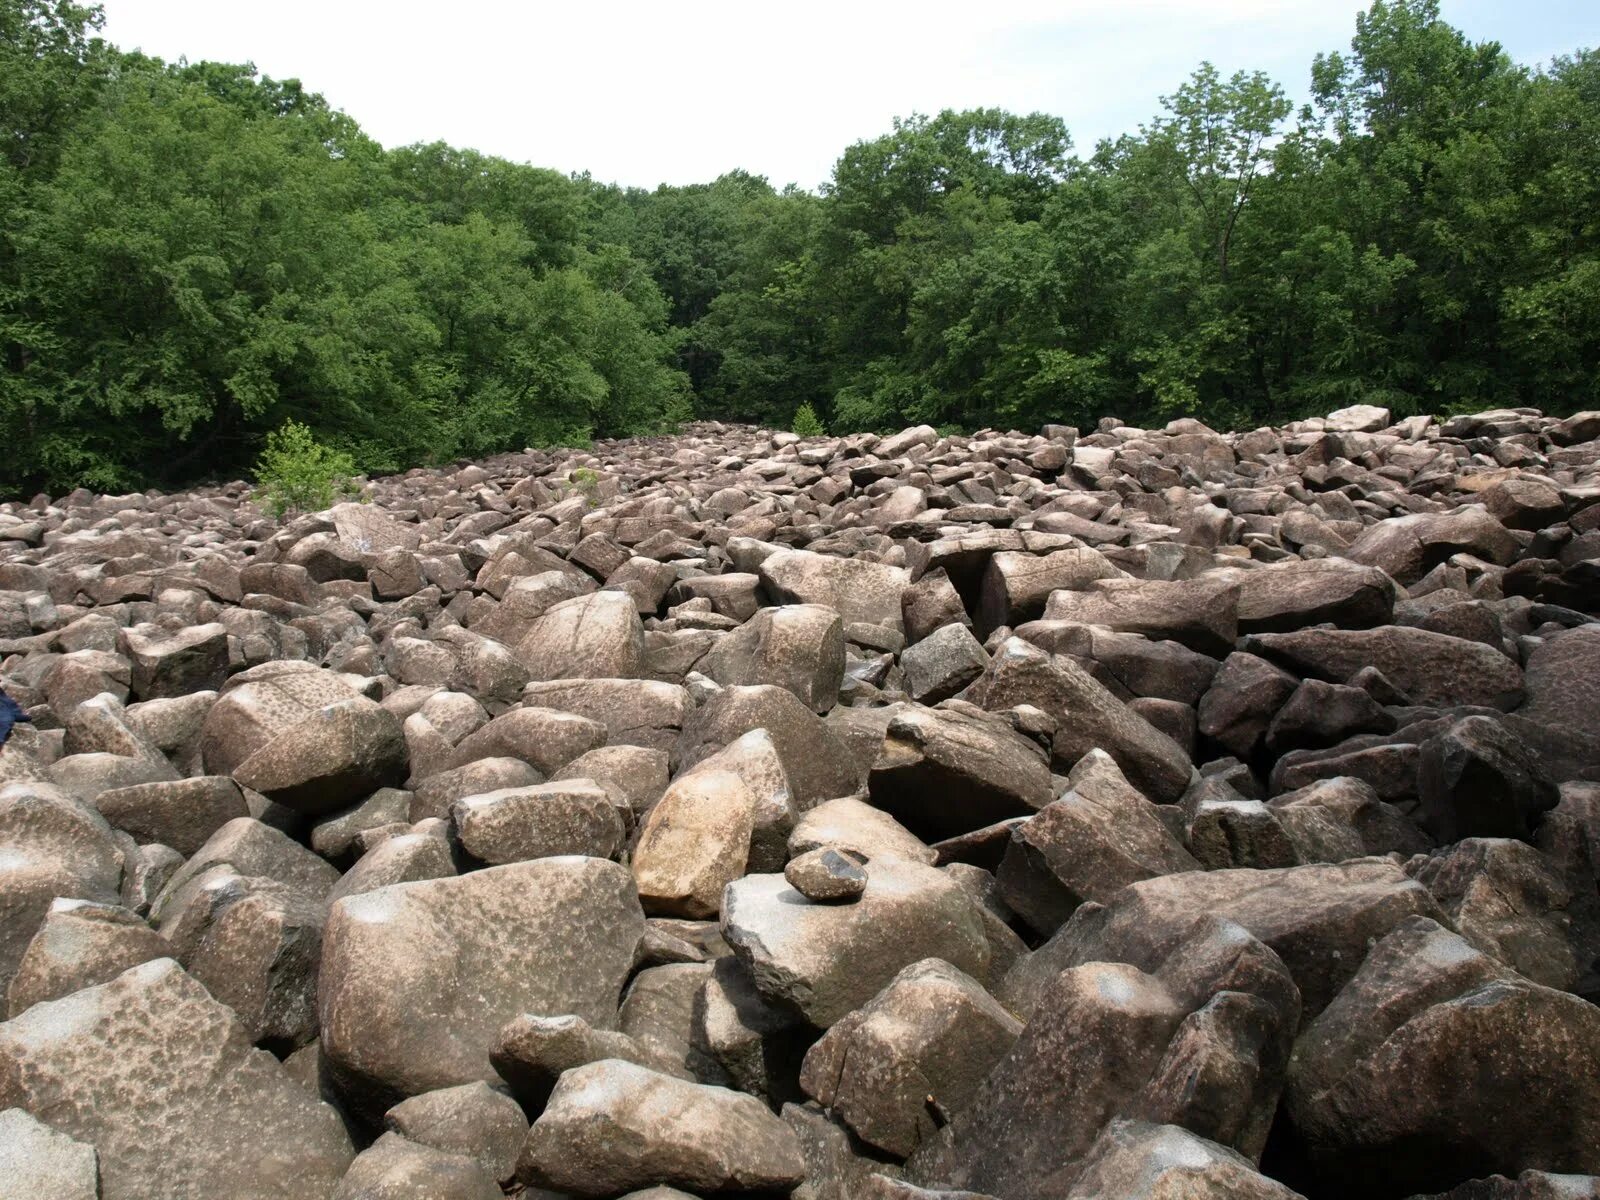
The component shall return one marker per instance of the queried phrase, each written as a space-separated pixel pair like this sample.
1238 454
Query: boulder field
1158 814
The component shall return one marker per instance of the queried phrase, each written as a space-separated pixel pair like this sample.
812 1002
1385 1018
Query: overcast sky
651 92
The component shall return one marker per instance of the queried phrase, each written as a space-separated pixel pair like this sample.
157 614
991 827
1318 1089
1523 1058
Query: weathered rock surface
182 1106
614 1126
631 776
418 978
823 960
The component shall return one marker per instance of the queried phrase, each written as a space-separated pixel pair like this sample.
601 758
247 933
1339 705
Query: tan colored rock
693 843
419 978
597 636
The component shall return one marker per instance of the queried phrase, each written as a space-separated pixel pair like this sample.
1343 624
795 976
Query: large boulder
1202 613
598 636
248 848
1087 716
823 960
614 1126
856 589
1101 1035
80 944
191 660
545 820
1563 681
818 765
330 759
418 978
1135 1160
1100 836
261 704
1436 1064
36 1161
944 772
1283 597
98 1063
694 842
1433 669
909 1060
1408 547
1512 902
1318 918
181 813
1477 779
635 712
50 845
795 646
395 1166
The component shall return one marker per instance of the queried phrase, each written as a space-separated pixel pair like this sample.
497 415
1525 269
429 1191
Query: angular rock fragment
1088 717
329 759
35 1160
799 647
598 636
233 1122
1435 1064
418 978
613 1126
908 1061
541 821
695 841
943 772
473 1119
826 875
857 590
822 960
80 944
50 846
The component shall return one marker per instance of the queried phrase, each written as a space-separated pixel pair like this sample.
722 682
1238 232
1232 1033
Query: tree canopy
192 254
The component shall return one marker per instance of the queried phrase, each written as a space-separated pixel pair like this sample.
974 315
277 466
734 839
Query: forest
194 254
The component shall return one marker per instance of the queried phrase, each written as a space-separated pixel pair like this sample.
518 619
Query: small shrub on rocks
298 473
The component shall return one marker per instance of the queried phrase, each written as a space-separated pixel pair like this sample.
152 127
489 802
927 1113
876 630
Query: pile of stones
1139 813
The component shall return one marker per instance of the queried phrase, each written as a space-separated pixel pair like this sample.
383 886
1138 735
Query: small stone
827 875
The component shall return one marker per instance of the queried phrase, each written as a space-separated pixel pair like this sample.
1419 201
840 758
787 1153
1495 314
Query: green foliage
192 255
585 481
298 473
806 422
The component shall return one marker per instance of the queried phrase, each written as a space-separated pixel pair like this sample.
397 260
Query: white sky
645 93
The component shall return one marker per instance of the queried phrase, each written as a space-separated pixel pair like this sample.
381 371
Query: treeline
192 254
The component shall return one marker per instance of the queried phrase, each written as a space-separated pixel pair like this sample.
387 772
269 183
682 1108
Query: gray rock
395 1166
36 1161
941 664
330 759
179 813
473 1119
799 647
943 773
1088 717
50 845
1435 1064
78 945
541 821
